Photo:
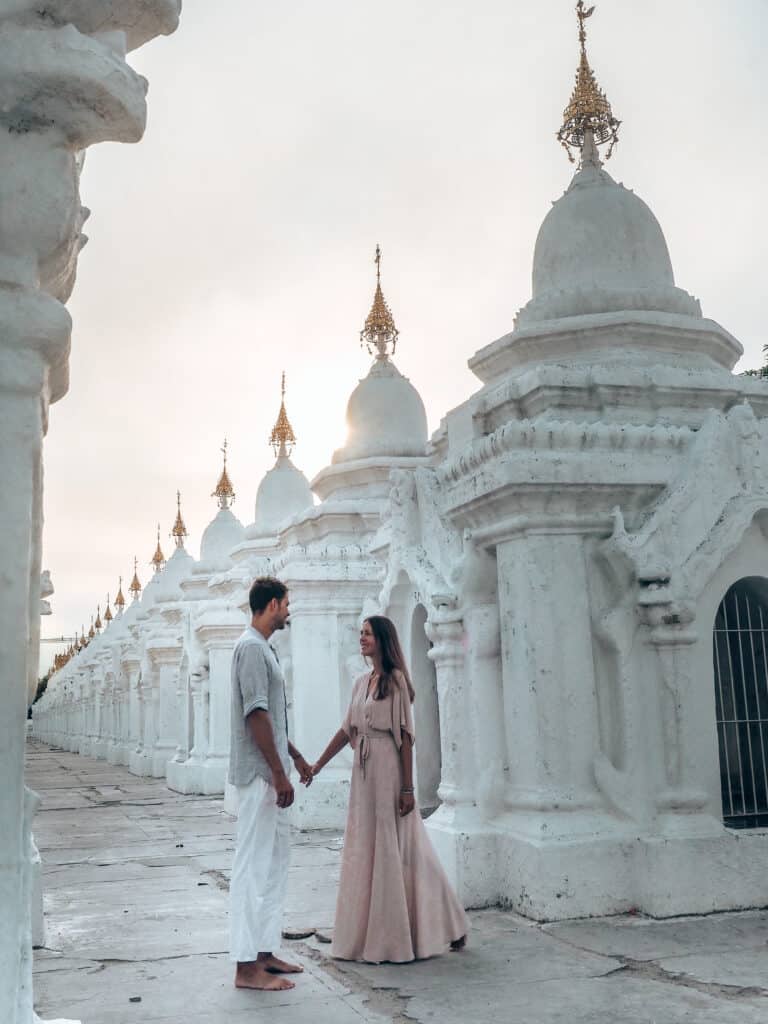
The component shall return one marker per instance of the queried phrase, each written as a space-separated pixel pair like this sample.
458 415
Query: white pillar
550 704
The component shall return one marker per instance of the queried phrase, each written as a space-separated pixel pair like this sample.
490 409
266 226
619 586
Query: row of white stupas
555 557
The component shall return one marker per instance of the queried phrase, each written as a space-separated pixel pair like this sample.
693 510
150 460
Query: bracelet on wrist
406 790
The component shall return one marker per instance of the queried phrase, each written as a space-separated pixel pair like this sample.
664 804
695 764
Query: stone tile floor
135 881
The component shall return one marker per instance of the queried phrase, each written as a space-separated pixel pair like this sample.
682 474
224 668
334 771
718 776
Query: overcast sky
285 139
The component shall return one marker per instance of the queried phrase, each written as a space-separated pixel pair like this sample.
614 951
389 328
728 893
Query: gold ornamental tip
158 559
282 437
108 616
179 531
135 587
91 631
379 331
98 622
588 110
225 492
120 599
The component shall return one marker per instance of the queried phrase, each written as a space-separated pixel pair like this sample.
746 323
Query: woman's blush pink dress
395 902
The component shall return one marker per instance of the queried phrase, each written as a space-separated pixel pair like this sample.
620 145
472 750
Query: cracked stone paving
135 883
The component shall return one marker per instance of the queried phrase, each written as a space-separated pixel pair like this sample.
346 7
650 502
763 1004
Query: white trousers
259 873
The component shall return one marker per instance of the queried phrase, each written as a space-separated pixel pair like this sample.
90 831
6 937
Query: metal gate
740 650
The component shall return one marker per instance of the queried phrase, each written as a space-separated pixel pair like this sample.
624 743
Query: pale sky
285 140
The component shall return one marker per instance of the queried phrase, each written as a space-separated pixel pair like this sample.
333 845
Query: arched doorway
740 651
426 714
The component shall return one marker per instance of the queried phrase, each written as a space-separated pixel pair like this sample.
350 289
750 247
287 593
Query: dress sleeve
347 725
253 677
402 714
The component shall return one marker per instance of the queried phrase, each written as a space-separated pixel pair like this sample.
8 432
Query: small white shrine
577 564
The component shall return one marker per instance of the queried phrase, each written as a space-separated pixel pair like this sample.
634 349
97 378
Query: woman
395 902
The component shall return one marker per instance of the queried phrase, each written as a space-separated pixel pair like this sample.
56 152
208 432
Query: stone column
550 706
445 628
217 629
482 633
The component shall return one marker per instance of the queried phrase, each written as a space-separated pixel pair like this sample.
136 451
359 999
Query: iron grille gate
740 653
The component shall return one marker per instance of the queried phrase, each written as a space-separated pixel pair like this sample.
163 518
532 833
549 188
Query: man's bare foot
277 966
256 976
458 944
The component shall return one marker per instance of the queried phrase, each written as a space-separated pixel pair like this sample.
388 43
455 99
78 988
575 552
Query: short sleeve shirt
257 683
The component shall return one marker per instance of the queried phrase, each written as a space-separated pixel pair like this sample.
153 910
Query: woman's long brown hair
392 657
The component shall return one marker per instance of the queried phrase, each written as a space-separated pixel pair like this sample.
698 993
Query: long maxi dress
395 902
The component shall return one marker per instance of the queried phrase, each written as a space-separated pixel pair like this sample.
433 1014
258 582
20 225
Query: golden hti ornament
225 492
588 109
120 599
97 623
282 437
135 587
108 613
158 559
379 331
179 531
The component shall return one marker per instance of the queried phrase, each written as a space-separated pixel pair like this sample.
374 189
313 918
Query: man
259 767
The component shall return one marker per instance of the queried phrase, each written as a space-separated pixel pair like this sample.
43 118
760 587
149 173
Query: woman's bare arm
337 743
407 799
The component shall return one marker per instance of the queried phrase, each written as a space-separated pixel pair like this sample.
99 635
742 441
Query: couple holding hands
394 902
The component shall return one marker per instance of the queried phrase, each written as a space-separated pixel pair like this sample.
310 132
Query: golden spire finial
158 559
379 331
282 437
225 492
588 112
108 613
135 587
97 624
91 631
179 531
120 599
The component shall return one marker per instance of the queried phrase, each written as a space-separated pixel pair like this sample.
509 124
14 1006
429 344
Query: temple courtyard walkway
135 881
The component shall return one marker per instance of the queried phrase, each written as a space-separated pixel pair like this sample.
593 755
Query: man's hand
407 803
283 788
304 770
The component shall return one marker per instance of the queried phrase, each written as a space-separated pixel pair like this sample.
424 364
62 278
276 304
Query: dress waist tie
364 744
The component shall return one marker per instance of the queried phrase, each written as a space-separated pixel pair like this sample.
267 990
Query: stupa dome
282 494
385 416
385 413
176 569
222 534
601 250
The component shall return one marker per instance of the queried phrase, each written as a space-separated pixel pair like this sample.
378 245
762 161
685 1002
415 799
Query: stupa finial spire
120 599
158 559
108 616
282 437
135 587
179 531
379 331
225 492
588 118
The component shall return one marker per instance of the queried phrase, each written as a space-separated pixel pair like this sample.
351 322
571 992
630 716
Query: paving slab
136 882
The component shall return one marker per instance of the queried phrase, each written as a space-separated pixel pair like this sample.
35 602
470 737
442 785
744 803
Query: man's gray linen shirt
257 682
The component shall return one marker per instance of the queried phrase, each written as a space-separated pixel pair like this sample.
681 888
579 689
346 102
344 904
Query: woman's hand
407 803
304 770
315 768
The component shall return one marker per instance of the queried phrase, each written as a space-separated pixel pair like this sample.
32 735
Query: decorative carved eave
699 519
560 437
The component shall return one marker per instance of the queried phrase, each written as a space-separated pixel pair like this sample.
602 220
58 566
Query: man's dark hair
263 590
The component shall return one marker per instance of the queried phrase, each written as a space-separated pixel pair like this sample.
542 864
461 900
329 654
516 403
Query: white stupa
284 492
385 413
224 532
